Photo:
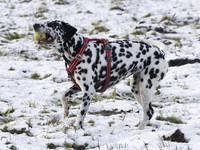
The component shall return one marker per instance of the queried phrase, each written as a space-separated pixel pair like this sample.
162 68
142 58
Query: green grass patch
47 75
11 69
52 146
111 123
73 103
148 15
14 36
65 129
137 32
170 119
91 122
87 134
177 42
54 121
15 131
61 2
7 112
97 23
117 8
157 90
75 146
168 19
40 12
35 76
99 29
12 147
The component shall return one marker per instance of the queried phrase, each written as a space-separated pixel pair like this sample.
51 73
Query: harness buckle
78 56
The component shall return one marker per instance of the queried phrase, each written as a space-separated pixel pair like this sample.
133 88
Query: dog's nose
36 26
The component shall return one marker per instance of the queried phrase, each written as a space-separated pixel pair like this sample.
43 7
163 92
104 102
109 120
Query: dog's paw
78 125
140 128
65 113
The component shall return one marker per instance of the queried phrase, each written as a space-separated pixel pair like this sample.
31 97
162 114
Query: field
32 77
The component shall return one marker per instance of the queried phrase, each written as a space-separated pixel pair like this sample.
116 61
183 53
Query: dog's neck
71 47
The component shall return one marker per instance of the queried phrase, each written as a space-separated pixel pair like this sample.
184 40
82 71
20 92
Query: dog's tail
160 45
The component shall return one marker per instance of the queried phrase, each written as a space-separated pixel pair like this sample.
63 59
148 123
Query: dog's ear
69 31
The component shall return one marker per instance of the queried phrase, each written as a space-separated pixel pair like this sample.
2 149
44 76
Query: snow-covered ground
33 77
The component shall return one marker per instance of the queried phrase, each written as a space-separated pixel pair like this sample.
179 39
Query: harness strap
79 55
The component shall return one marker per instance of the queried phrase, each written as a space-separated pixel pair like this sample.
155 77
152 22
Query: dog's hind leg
147 88
63 99
143 96
135 86
146 98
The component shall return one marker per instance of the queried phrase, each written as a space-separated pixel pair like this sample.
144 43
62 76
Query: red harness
79 55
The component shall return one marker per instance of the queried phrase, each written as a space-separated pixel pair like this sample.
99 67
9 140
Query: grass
47 75
157 90
148 15
15 131
98 29
29 123
163 143
7 112
11 69
13 147
40 12
31 103
52 146
54 121
44 111
5 116
101 29
137 32
168 19
106 112
177 42
65 129
91 122
75 146
96 98
73 103
14 36
72 115
97 23
126 37
111 123
5 120
117 8
87 134
61 2
170 119
35 76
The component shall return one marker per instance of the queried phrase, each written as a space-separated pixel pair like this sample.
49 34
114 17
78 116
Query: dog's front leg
63 99
87 97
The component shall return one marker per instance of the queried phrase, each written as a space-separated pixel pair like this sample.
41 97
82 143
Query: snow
36 105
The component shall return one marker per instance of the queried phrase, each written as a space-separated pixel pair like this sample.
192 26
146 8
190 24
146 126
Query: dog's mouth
48 40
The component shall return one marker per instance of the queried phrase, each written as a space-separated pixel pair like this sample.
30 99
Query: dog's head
56 32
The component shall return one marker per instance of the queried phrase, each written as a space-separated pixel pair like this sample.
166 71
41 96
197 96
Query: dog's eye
51 24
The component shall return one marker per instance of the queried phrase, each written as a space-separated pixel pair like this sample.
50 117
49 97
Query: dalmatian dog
143 61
